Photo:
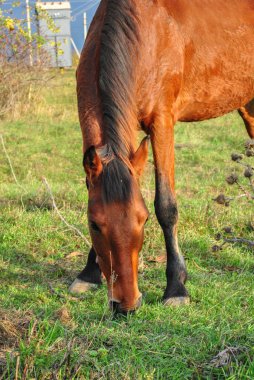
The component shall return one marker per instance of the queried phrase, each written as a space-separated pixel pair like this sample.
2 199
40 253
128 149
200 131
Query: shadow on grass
29 271
25 268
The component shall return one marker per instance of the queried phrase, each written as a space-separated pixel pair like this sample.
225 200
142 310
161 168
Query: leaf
74 254
63 315
9 23
231 268
157 259
225 357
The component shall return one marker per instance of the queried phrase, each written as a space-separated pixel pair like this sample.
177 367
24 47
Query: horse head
117 215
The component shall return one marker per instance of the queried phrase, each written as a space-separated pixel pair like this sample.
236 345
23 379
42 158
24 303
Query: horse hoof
78 286
176 301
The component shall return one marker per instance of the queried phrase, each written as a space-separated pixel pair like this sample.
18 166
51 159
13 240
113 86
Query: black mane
116 182
115 177
118 59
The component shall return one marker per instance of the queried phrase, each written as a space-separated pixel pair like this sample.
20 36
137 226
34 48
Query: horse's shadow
25 269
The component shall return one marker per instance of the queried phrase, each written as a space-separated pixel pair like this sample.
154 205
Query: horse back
208 46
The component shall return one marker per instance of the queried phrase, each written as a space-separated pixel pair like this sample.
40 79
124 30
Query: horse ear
92 164
139 159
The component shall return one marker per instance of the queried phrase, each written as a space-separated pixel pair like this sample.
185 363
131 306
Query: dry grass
14 327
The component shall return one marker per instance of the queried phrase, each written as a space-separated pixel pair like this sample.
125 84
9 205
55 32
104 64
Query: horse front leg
162 138
89 277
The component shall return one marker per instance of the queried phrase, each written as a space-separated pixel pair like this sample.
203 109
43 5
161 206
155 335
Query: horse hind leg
90 276
247 114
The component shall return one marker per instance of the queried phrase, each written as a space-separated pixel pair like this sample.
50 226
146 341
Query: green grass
45 333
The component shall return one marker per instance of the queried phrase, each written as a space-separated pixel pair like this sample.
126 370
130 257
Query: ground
46 333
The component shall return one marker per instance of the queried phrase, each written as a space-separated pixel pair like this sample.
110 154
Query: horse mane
115 178
116 182
118 58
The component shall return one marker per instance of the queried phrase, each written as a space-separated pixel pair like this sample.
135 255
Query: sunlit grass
59 336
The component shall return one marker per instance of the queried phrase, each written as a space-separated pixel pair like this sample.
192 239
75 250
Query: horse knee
166 212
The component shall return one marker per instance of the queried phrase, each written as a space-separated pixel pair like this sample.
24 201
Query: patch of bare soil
13 327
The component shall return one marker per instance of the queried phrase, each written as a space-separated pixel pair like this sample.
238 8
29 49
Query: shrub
20 82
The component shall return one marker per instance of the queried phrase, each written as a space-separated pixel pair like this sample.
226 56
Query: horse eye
95 227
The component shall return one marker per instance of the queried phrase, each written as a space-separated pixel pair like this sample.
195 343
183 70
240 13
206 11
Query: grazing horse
147 64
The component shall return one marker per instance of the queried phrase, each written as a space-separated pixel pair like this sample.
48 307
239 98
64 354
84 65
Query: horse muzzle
118 308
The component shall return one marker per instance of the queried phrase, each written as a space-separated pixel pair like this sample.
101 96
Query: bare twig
32 331
75 229
24 377
244 164
65 361
248 195
111 276
17 368
196 265
233 240
252 186
9 161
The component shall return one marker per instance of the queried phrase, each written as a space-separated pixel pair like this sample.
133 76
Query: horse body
200 54
150 64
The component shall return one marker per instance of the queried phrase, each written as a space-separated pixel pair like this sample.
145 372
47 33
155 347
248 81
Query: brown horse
148 64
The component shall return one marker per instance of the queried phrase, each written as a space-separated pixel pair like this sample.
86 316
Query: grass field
46 333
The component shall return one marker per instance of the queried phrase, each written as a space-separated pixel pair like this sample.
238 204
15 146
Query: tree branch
233 240
76 230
